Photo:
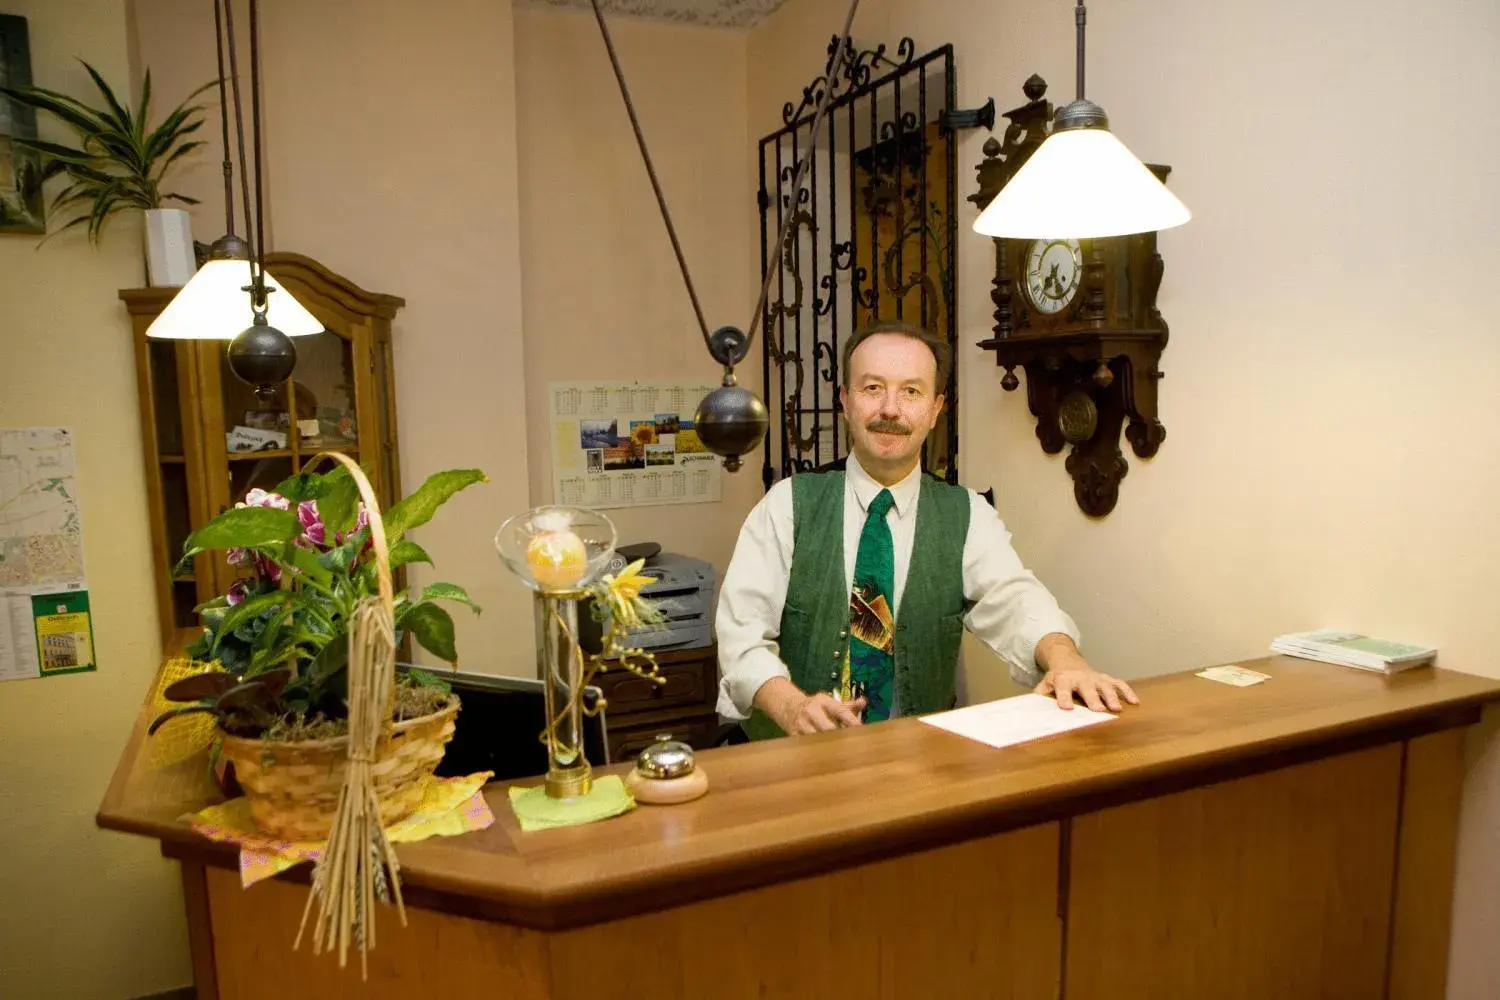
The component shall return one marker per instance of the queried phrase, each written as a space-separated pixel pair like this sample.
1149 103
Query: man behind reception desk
887 566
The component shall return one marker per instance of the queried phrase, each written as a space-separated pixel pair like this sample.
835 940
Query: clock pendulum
731 420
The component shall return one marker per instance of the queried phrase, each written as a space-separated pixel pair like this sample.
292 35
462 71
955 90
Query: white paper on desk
1015 720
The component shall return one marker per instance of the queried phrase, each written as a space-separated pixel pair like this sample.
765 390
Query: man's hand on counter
796 712
1069 675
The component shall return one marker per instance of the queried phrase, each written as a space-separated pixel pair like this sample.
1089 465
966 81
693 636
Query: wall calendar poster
630 444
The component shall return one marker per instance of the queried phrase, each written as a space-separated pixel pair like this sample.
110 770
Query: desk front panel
1272 886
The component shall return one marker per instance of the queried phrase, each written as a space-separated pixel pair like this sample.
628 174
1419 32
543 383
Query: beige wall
603 296
394 158
1325 455
86 914
1328 402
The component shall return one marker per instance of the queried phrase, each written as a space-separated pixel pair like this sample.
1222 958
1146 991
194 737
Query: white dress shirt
1012 610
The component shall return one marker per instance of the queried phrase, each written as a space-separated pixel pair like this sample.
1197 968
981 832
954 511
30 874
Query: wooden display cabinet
343 393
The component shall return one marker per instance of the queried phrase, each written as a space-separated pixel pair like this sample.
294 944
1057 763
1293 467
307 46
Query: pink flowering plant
281 632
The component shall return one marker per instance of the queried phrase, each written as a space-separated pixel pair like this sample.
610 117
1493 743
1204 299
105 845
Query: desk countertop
788 808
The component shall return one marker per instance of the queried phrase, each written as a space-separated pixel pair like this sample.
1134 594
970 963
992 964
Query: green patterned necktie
872 623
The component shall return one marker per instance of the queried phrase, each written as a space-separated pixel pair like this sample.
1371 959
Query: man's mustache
887 427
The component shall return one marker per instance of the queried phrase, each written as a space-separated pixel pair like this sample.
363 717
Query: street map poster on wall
45 625
630 444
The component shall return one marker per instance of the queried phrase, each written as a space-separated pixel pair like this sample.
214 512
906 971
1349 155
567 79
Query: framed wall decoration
872 236
21 208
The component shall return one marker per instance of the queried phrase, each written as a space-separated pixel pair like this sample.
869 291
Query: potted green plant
118 165
275 646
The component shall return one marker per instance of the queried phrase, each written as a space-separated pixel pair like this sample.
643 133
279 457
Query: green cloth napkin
609 797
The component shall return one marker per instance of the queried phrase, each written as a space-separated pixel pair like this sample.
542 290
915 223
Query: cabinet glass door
253 426
327 415
173 410
321 417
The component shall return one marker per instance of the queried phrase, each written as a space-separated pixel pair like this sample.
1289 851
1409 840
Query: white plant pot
169 247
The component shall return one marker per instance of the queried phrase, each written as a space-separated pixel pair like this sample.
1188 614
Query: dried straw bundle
351 874
358 866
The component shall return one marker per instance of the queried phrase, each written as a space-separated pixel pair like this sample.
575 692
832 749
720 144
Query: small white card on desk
1235 675
1015 720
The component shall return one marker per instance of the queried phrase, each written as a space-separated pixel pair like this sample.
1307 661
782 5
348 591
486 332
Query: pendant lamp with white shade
233 287
214 304
1082 182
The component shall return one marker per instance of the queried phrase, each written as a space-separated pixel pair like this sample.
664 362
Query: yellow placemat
186 735
450 806
535 811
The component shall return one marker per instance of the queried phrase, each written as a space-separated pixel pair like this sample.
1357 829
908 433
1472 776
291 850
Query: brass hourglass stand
561 553
566 673
561 667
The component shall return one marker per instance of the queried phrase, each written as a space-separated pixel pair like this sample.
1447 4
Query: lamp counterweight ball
262 356
730 422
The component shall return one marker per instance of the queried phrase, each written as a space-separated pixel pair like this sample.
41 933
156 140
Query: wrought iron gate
872 238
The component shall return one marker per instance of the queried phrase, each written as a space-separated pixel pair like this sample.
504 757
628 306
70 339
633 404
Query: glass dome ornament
556 548
561 553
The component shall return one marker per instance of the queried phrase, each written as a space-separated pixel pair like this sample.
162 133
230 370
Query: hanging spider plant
118 165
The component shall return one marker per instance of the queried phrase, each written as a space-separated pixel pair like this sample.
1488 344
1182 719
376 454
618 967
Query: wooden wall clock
1080 318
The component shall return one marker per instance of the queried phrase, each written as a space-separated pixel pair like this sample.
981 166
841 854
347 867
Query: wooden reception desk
1292 839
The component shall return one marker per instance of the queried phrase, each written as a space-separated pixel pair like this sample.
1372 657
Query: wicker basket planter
293 787
296 665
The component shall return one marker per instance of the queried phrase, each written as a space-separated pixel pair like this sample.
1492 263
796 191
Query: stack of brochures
1351 649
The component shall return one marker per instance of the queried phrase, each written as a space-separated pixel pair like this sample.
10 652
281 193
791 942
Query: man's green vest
815 619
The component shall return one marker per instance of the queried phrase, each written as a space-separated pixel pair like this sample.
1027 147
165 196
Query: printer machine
683 593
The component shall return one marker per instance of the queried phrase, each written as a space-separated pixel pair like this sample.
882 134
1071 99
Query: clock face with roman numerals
1053 270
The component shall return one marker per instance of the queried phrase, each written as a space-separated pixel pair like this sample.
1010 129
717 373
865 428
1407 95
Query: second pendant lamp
1081 183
